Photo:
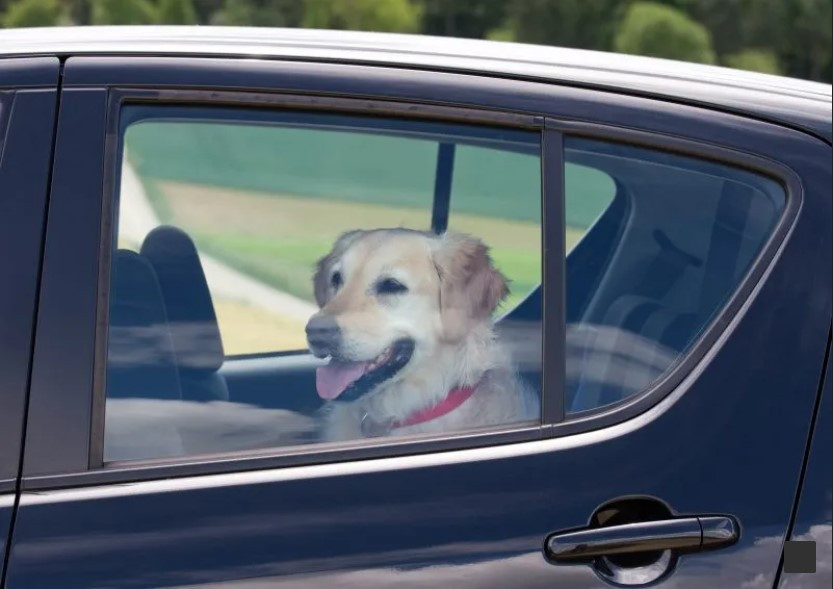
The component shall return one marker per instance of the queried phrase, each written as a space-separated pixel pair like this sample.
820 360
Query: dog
406 321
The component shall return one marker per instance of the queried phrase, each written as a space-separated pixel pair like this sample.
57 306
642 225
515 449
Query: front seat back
191 316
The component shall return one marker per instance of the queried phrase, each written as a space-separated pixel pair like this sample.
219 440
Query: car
165 193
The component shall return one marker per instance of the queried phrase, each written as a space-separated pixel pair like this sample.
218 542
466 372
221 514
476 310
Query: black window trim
688 366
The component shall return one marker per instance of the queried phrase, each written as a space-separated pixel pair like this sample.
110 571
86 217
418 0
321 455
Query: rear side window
588 193
665 240
498 193
285 277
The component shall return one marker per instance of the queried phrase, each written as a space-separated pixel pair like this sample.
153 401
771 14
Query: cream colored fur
453 289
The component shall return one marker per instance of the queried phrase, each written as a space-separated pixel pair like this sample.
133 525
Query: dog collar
454 399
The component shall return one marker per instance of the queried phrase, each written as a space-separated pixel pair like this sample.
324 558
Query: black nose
323 334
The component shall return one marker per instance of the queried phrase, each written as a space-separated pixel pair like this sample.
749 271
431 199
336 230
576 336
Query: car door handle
688 534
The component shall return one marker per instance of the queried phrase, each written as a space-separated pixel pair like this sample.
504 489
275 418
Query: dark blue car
664 230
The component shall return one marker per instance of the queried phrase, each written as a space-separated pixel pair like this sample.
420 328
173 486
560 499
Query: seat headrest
191 316
140 356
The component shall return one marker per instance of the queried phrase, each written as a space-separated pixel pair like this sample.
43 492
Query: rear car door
28 94
671 310
813 523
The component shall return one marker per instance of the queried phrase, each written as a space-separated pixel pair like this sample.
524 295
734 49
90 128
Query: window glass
665 240
588 193
499 194
247 236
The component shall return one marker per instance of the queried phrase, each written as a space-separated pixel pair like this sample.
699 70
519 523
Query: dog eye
336 280
389 286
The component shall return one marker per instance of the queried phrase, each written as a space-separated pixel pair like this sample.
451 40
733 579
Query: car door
814 512
677 348
28 95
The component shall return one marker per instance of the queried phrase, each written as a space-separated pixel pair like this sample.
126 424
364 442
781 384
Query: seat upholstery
192 319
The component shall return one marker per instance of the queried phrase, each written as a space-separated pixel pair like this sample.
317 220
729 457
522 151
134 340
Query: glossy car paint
814 516
27 114
7 505
467 518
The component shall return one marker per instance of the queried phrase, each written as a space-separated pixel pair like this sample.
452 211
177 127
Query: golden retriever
406 321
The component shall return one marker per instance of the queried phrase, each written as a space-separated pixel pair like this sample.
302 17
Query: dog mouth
344 380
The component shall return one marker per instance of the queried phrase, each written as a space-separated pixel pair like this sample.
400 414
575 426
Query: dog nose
323 334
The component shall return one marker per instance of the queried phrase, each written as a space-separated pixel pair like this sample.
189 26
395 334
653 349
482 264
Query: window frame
551 389
691 362
652 123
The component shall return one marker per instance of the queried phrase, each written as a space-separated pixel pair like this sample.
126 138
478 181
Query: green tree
797 32
260 13
802 37
176 12
586 24
123 12
206 9
656 30
75 11
362 15
452 18
756 60
32 13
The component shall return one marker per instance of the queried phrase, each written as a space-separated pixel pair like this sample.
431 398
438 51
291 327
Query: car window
654 265
499 193
386 247
588 192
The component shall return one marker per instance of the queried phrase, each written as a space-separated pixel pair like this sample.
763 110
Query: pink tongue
332 379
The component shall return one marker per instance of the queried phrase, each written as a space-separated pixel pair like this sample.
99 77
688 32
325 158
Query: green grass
287 266
291 234
392 171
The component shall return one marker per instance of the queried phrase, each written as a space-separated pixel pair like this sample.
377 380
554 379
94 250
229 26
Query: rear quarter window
667 240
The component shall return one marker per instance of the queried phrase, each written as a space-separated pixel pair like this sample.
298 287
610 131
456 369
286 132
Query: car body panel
27 106
795 102
814 514
7 507
462 518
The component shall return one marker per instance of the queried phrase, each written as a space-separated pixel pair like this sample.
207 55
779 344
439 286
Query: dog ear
471 288
321 278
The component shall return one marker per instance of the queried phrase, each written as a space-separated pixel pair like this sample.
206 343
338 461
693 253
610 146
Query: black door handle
682 535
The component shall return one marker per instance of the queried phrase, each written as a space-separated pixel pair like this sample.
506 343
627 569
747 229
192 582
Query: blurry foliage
472 19
650 28
122 12
792 37
261 13
32 13
755 60
176 12
401 16
587 24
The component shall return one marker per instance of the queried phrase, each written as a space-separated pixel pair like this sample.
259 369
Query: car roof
798 103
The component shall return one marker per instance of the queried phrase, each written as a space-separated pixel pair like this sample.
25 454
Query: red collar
454 399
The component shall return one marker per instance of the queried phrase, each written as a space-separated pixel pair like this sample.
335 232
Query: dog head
389 296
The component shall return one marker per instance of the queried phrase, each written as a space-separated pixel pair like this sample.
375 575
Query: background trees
791 37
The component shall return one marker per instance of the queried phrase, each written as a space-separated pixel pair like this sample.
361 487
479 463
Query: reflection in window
657 265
